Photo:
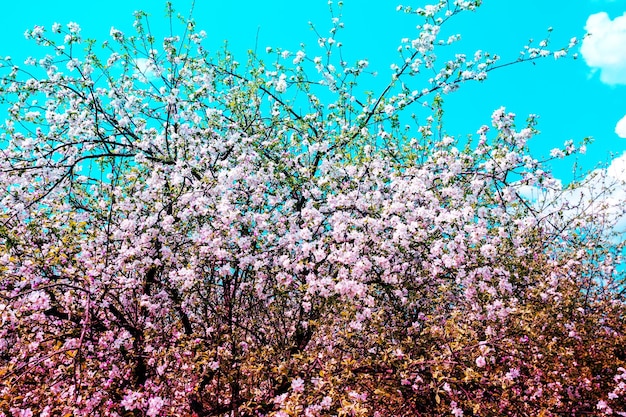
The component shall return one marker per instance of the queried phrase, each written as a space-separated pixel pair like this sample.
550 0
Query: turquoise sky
575 98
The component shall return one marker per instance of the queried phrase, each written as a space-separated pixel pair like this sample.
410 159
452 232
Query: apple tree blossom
182 233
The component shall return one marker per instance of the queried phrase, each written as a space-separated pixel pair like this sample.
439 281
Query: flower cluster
181 234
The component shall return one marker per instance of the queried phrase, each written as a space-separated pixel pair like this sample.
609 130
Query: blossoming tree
182 234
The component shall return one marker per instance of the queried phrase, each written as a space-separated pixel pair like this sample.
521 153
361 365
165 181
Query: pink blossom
154 406
297 385
326 402
132 400
480 362
19 412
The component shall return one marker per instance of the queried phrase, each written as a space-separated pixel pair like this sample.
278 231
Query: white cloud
601 194
604 47
620 128
145 69
617 169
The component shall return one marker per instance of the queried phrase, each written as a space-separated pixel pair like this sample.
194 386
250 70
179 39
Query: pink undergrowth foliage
179 237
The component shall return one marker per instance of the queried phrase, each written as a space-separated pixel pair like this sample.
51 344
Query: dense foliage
185 235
